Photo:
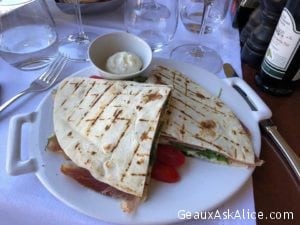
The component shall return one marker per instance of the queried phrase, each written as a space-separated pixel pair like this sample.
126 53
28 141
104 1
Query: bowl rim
106 74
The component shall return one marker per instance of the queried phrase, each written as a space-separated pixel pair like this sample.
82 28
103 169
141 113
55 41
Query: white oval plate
203 186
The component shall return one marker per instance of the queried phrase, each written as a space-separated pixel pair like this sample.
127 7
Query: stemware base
199 55
76 46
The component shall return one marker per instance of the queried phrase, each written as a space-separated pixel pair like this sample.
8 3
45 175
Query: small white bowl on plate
106 45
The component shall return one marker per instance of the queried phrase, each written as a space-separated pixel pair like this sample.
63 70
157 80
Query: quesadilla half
200 124
108 128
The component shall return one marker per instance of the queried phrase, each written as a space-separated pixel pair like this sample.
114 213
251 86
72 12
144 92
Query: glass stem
81 33
155 3
206 11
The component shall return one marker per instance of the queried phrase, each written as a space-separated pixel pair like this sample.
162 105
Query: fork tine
57 70
52 66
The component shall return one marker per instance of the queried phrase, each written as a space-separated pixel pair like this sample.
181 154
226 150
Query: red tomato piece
165 173
95 77
169 155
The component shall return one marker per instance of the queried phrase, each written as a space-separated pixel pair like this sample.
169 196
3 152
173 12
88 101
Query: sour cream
123 63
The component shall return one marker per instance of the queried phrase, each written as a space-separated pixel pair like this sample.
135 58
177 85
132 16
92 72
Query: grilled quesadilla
107 128
201 124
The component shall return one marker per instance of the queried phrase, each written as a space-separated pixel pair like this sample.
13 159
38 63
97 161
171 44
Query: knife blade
268 127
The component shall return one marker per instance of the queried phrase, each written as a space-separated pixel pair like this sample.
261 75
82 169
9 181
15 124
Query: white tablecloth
23 199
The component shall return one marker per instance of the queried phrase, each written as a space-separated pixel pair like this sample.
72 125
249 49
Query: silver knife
269 127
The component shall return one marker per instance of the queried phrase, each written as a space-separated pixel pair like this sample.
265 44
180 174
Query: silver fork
43 82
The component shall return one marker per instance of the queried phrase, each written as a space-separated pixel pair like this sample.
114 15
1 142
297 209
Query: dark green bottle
280 68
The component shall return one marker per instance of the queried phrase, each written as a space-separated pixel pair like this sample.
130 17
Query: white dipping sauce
123 63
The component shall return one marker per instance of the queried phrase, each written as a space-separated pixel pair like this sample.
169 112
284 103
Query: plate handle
14 164
261 110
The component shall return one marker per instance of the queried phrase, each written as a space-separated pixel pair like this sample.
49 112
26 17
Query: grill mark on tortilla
173 78
170 80
158 79
144 135
76 85
91 87
93 120
139 108
129 164
183 112
208 107
152 97
186 88
142 154
216 110
158 113
77 146
107 127
246 149
187 105
182 130
235 153
132 93
227 139
64 101
116 114
64 84
220 104
138 174
87 161
140 161
111 118
146 120
186 130
209 142
78 105
197 100
122 135
100 96
199 95
208 124
201 103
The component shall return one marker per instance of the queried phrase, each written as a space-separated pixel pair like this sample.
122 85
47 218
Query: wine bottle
280 67
241 11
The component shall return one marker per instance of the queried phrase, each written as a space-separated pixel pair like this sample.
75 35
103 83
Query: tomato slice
169 155
95 77
165 173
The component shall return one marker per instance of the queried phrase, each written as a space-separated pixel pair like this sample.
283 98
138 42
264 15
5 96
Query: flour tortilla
108 128
200 121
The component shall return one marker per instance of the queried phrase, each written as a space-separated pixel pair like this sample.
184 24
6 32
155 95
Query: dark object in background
241 10
256 45
281 65
254 20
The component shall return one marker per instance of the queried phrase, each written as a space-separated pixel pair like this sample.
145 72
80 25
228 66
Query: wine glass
28 38
198 54
155 21
75 46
